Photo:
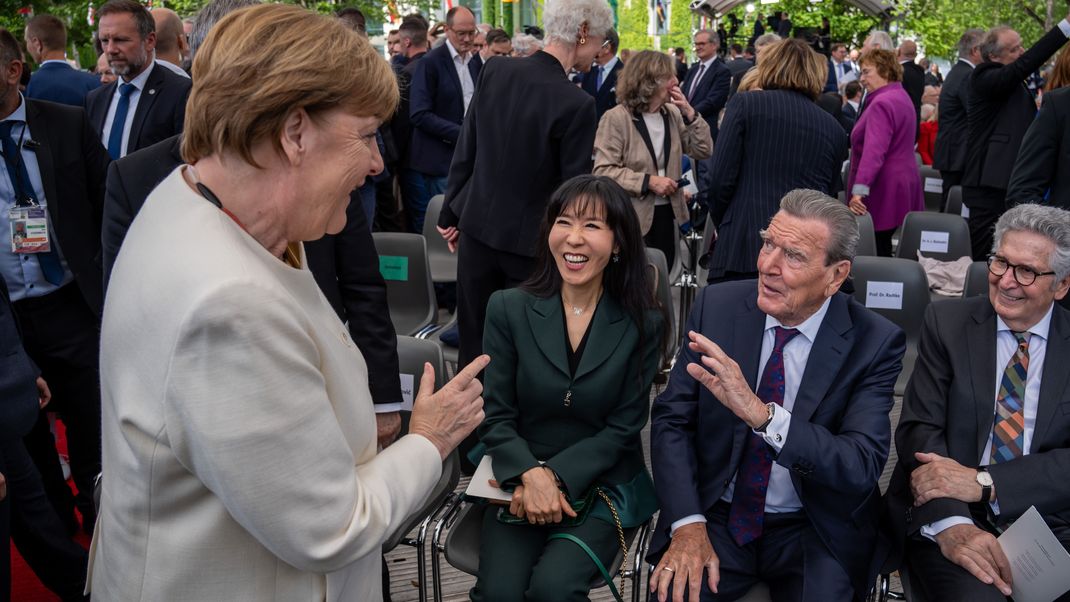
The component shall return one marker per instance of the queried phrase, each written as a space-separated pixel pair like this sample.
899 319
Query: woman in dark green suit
574 352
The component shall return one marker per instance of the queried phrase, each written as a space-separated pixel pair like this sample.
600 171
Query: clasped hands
968 546
538 498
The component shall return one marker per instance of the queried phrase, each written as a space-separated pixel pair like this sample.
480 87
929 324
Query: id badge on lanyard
29 229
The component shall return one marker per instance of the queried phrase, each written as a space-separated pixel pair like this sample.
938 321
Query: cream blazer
239 436
621 154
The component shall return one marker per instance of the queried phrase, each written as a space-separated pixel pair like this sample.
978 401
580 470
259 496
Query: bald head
170 35
908 50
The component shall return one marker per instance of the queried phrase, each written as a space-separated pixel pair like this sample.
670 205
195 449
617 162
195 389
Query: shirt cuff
860 189
1064 26
687 520
387 408
776 433
931 530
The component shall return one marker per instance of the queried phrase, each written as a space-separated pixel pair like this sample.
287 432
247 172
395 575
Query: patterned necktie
1008 430
748 499
598 82
51 268
694 83
118 123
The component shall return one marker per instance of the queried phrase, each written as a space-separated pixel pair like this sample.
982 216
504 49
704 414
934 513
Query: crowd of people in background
188 169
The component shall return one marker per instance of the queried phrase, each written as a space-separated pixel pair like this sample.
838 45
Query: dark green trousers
517 563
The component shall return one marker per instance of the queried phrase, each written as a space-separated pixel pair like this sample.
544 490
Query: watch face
984 479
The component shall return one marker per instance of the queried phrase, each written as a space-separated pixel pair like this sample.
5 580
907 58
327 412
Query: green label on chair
394 267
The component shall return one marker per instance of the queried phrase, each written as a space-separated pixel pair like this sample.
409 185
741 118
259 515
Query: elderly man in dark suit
706 87
54 160
148 101
55 79
1000 111
984 433
443 83
1042 172
950 154
601 81
770 437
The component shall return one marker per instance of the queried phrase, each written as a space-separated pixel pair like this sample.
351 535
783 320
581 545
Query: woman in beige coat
239 438
641 143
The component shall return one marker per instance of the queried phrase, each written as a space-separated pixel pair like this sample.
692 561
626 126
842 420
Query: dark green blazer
592 439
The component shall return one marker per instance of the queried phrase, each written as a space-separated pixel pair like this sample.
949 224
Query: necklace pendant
576 310
568 398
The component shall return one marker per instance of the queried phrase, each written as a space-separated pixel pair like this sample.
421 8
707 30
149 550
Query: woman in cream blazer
641 143
239 438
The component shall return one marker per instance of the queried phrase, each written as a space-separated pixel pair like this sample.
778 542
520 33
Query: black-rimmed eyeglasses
1023 275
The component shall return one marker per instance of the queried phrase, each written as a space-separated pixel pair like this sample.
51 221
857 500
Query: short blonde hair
262 62
792 65
647 71
885 62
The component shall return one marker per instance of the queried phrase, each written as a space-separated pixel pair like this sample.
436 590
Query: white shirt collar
707 64
967 61
454 54
609 65
141 79
60 61
853 103
1039 329
810 325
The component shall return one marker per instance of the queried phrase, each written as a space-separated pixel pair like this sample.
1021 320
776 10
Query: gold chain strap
620 536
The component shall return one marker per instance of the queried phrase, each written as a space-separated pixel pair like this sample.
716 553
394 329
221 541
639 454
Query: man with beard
148 103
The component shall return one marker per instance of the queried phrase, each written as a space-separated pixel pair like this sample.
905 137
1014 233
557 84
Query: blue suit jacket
712 92
605 98
18 375
840 433
59 82
436 109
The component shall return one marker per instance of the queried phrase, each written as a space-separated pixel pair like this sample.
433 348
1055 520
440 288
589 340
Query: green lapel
610 324
545 318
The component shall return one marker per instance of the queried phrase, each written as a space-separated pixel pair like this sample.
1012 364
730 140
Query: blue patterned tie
51 267
598 83
748 499
1008 429
115 137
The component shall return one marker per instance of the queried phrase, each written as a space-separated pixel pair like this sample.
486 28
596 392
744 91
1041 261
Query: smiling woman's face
582 243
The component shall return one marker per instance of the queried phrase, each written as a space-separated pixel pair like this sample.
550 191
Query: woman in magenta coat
884 178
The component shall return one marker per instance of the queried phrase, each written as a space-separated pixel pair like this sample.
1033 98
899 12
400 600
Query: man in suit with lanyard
706 87
773 429
51 189
148 102
984 433
950 154
601 81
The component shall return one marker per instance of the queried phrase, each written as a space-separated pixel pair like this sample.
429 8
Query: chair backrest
954 201
937 235
443 263
663 292
409 292
976 280
894 288
867 240
933 185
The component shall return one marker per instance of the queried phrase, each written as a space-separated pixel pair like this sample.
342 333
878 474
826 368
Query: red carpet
25 587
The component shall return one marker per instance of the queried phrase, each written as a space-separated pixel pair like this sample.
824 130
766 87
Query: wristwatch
984 479
772 411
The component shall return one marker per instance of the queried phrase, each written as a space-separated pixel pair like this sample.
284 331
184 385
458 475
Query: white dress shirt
139 85
468 87
1006 345
606 70
702 73
781 495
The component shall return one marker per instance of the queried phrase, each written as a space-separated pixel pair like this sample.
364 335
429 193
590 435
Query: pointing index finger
471 371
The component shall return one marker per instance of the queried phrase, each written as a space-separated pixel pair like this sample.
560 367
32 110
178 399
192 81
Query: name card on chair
934 185
933 241
394 267
884 295
408 386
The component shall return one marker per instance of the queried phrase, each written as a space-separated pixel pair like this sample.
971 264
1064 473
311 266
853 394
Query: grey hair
843 227
209 16
711 34
524 44
765 39
882 39
971 38
990 45
561 19
1050 222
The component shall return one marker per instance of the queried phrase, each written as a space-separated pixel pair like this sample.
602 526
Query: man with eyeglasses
985 432
706 87
601 81
999 111
443 83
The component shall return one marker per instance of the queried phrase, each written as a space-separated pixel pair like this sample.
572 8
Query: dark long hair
625 280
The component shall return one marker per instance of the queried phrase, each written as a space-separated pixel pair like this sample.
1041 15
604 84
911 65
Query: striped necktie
1008 429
